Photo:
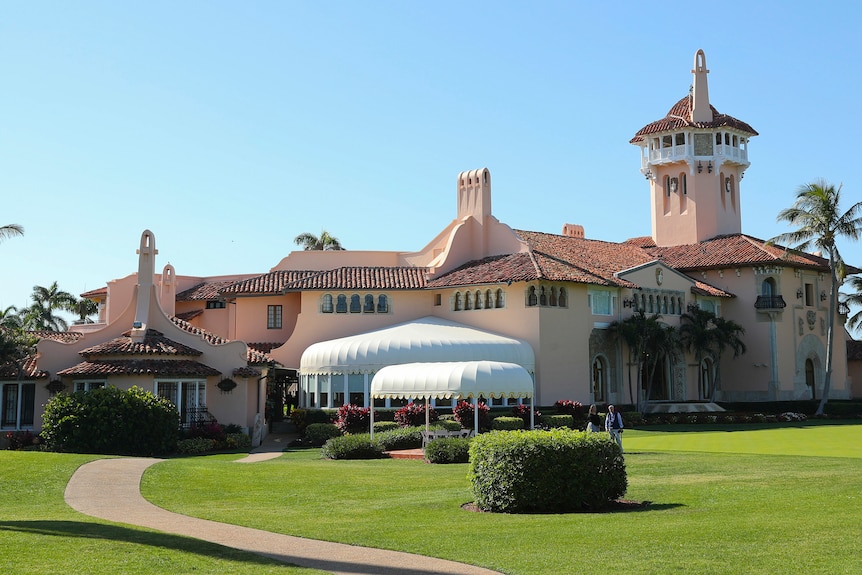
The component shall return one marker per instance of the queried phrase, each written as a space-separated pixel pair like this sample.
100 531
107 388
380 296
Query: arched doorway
599 379
809 377
660 380
706 378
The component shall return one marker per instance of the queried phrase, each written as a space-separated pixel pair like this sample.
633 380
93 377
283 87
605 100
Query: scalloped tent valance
446 380
425 340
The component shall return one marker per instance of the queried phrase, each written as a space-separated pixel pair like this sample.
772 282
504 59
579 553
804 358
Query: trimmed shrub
507 423
319 433
414 414
401 438
302 418
523 411
212 431
558 421
447 424
111 421
554 471
358 446
464 415
237 442
448 450
196 445
353 419
381 426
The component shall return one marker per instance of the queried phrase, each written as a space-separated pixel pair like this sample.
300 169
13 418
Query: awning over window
425 340
446 380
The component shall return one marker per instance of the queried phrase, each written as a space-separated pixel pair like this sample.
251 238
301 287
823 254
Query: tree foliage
324 242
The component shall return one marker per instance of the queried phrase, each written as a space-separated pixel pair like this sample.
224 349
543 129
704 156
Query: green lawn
40 534
730 500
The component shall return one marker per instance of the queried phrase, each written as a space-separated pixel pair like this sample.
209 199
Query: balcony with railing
769 303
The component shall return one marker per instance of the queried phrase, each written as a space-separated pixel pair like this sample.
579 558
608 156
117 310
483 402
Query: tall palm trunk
830 334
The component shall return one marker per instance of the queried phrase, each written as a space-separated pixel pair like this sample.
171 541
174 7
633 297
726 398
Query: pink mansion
327 321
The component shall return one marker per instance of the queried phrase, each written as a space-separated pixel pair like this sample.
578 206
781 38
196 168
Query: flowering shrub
352 418
464 415
414 414
523 411
212 431
20 439
790 416
569 407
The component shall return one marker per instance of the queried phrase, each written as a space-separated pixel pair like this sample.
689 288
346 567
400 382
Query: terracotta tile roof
155 343
252 356
267 284
61 336
161 367
641 242
347 278
490 270
564 258
246 372
679 116
96 293
854 350
702 288
9 371
734 250
265 347
187 315
205 291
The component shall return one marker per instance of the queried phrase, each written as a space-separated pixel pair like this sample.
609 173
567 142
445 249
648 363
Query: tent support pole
476 415
371 405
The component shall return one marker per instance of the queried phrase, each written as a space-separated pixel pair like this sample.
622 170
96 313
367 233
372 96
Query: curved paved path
110 489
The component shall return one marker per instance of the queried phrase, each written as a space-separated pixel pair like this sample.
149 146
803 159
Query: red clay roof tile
679 116
155 343
162 367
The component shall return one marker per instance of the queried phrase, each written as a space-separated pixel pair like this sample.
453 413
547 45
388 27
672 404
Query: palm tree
854 299
698 335
40 315
636 331
10 230
820 223
663 343
10 319
324 242
84 308
727 335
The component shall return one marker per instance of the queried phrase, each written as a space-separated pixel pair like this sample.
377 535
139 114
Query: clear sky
228 128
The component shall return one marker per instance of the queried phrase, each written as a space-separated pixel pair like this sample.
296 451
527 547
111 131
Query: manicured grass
730 500
40 534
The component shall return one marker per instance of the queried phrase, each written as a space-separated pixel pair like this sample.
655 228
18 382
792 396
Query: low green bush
302 418
196 445
401 438
381 426
447 424
319 433
237 442
558 421
358 446
504 423
555 471
448 450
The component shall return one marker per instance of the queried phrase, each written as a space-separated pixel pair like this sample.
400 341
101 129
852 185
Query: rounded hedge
558 420
448 450
358 446
555 471
319 433
111 421
504 423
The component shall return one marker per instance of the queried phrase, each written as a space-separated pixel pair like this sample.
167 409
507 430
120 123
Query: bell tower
694 160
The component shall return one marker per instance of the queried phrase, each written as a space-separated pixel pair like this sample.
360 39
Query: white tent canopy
445 380
426 340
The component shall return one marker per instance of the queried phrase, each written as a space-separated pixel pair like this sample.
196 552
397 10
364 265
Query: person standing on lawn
614 425
594 422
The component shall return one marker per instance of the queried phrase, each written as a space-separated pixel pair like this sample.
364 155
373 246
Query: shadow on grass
730 427
86 530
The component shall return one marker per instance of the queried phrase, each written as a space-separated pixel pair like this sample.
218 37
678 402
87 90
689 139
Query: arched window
767 288
478 299
341 304
553 299
563 301
599 379
531 297
651 308
382 304
369 304
543 297
326 306
489 300
500 301
355 304
468 301
458 303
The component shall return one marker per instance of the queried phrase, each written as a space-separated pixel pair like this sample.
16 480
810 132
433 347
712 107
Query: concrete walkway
110 489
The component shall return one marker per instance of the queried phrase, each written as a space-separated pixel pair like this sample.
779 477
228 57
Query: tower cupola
694 159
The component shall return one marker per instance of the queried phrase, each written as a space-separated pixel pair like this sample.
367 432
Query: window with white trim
18 404
273 317
601 302
189 396
88 385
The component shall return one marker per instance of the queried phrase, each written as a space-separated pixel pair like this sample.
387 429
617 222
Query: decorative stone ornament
226 385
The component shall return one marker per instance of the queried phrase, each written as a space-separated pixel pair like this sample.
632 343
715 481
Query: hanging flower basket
226 385
55 386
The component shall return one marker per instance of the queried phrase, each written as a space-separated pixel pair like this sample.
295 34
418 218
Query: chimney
573 231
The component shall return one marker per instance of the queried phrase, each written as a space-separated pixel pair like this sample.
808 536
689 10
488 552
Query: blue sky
228 128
